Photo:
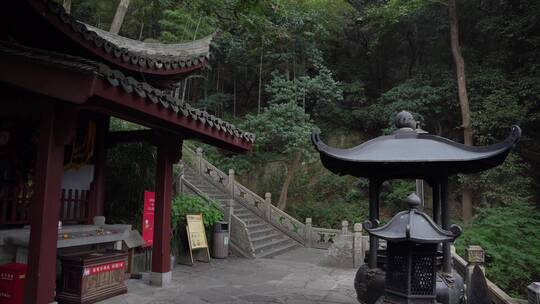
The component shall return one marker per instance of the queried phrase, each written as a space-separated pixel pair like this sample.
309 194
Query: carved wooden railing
74 206
15 207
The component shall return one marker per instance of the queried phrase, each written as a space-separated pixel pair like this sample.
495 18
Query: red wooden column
168 153
97 194
44 210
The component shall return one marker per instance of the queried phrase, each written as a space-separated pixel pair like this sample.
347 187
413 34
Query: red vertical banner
148 217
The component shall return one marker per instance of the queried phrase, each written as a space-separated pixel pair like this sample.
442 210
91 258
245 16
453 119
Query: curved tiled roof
128 84
153 58
411 154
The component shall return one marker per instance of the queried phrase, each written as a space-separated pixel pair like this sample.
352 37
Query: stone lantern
412 238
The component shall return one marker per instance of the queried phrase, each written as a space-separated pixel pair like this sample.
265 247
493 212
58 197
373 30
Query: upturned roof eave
400 230
336 159
132 55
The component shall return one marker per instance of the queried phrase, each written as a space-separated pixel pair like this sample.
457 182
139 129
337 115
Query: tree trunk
466 199
118 19
234 95
141 30
282 204
260 81
67 6
197 29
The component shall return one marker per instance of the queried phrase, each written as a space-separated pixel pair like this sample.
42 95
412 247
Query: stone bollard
308 233
358 246
231 182
533 291
198 160
344 227
475 256
268 206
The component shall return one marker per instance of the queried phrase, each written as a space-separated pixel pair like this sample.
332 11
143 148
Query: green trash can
221 240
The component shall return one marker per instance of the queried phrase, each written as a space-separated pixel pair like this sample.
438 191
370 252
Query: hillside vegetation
282 68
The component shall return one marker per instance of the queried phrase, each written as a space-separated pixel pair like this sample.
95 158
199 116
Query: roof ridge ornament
405 119
413 201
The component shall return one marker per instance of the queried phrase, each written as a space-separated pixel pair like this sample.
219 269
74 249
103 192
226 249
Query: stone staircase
265 239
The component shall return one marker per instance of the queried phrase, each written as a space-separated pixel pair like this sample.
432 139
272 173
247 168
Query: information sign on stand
197 238
148 218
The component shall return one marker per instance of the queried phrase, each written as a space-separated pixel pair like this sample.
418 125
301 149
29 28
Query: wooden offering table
92 276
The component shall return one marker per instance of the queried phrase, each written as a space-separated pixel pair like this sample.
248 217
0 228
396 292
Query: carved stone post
228 210
308 233
344 227
268 206
198 160
179 183
533 291
231 182
358 246
475 256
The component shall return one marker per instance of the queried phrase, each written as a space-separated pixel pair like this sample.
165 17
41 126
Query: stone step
242 212
206 187
260 232
272 236
266 240
264 249
249 217
253 222
279 250
257 227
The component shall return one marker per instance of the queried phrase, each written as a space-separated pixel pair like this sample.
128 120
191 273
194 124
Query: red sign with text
148 217
88 271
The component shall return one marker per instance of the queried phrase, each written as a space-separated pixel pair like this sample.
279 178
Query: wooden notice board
197 237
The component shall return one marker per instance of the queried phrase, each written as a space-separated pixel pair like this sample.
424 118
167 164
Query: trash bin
221 240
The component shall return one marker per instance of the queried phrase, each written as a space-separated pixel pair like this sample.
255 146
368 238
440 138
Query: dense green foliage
507 233
130 170
183 204
348 67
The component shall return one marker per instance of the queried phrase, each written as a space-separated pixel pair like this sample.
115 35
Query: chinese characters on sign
148 218
196 231
88 271
197 238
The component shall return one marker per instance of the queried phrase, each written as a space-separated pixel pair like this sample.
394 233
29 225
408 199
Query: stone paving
293 278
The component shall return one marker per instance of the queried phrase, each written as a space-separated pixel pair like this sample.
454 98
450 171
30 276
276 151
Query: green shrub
183 204
130 170
510 235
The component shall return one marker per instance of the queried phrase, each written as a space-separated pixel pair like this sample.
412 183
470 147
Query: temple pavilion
61 81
